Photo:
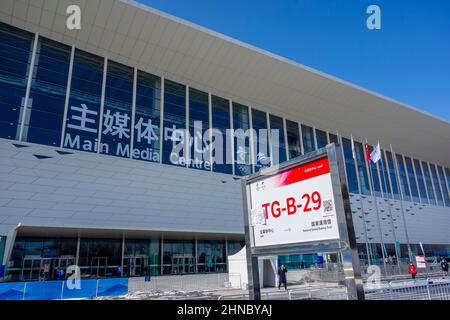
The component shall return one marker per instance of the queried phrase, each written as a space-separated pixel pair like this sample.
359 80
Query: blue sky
407 60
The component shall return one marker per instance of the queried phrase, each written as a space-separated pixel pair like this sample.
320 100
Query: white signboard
294 206
420 260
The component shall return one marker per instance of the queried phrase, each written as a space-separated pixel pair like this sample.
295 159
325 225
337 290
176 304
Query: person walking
412 270
444 267
282 277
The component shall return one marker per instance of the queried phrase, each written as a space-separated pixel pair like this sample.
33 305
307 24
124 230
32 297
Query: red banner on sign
304 172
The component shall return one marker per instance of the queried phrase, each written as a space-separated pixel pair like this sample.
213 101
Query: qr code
328 205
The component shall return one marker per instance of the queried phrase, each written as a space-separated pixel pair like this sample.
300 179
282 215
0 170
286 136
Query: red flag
367 153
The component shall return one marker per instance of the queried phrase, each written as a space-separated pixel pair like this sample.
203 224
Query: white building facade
87 132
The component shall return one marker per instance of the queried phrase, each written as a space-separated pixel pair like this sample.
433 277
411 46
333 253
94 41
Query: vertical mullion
269 139
286 146
187 147
315 138
66 102
133 112
231 137
161 123
301 138
102 105
210 131
252 151
28 89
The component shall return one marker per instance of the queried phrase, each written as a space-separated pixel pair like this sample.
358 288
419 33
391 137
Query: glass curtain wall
308 139
147 118
278 146
116 128
15 57
293 138
198 126
261 145
83 114
174 122
220 123
242 152
428 183
322 139
45 112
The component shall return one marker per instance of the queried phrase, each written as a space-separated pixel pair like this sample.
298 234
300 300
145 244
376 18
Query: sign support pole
252 261
350 256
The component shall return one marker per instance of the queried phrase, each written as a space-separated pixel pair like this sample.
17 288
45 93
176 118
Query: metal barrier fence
60 290
420 289
338 292
187 282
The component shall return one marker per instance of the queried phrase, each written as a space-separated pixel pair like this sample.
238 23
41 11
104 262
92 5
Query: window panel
178 256
350 166
45 112
293 137
83 115
333 138
211 256
15 57
444 186
362 169
412 180
261 146
420 181
174 119
278 146
437 189
385 186
220 123
147 119
116 129
322 139
241 126
392 175
308 139
402 178
428 183
147 252
198 125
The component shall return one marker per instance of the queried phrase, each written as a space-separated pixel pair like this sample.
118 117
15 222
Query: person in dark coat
444 267
282 276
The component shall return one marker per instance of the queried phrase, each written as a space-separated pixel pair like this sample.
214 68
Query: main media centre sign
294 206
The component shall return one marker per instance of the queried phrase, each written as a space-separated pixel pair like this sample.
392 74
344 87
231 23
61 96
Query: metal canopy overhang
136 35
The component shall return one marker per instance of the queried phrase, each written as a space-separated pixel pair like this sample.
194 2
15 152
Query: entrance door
134 266
30 268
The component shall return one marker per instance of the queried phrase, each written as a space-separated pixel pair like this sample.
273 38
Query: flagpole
368 248
394 157
369 167
389 206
